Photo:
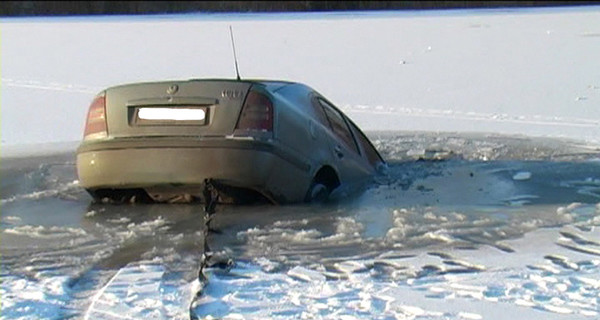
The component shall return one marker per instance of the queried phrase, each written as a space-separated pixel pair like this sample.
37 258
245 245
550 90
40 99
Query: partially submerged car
250 139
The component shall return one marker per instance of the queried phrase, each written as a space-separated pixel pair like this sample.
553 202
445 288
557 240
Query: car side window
338 125
369 150
318 110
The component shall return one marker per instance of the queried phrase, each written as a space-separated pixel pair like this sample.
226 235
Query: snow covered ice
466 225
513 71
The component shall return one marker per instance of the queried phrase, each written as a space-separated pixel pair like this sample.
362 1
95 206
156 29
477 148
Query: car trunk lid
175 108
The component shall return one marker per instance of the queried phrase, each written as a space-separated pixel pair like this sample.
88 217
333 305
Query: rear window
304 100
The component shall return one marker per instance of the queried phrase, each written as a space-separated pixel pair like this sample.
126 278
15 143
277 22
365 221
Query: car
249 140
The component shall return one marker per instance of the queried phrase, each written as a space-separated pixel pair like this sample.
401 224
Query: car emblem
232 94
173 89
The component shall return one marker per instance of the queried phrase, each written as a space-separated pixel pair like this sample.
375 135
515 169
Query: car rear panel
218 101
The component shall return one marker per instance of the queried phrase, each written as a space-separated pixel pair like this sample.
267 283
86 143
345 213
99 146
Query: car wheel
119 196
318 193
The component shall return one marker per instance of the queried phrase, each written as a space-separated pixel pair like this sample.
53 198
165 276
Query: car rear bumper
171 165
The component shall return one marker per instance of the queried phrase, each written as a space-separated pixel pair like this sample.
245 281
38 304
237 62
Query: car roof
268 84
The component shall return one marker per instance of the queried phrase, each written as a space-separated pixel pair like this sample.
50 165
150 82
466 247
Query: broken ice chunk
307 275
523 175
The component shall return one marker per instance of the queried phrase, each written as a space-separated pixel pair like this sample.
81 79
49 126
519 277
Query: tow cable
211 197
211 259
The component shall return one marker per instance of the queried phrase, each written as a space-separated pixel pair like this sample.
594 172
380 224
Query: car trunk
175 108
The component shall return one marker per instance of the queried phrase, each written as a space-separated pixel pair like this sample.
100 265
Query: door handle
338 151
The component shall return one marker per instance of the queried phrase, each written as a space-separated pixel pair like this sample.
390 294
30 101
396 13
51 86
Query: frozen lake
467 225
513 71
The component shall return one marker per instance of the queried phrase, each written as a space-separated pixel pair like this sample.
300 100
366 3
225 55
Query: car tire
118 196
317 193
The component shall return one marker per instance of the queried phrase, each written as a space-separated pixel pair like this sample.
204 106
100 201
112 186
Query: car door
344 148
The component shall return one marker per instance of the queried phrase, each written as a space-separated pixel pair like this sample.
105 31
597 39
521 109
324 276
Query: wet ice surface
463 227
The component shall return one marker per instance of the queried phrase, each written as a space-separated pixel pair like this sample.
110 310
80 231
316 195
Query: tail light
95 125
257 113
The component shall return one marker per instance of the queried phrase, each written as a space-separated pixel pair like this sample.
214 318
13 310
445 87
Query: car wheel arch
326 177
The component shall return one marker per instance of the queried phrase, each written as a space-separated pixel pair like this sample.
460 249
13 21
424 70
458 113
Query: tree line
63 8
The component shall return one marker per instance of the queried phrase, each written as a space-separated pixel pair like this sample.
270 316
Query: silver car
250 140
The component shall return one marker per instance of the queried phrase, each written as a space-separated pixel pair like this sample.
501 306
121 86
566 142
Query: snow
518 71
520 285
139 290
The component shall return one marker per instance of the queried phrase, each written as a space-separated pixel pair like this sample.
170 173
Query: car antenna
237 71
